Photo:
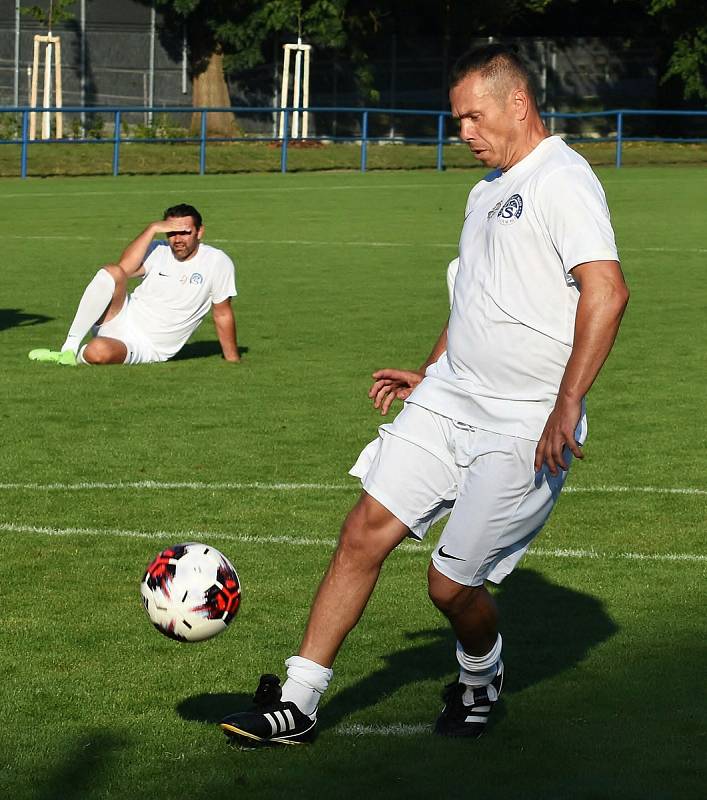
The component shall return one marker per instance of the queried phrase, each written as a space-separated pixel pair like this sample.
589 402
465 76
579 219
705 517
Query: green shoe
67 358
44 355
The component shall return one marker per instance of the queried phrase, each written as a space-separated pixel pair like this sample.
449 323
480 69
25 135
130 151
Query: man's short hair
183 210
498 63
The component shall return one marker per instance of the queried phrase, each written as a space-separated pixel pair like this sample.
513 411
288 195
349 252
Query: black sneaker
272 721
459 719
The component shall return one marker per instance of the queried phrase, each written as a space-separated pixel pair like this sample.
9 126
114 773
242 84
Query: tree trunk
209 89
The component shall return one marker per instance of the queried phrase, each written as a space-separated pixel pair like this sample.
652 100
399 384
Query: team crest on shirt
511 210
196 278
493 210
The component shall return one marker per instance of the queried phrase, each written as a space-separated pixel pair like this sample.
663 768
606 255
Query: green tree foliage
685 23
52 13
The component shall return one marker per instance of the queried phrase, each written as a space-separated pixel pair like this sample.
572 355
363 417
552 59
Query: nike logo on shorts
447 555
163 274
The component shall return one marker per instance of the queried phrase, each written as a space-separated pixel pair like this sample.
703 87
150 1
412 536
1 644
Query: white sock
306 683
93 303
478 671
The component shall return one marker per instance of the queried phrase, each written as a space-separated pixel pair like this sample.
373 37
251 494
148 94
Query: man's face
487 123
183 237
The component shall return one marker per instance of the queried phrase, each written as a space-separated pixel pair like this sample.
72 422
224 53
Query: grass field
604 623
137 158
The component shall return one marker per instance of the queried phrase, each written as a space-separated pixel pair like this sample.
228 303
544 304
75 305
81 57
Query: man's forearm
134 254
226 330
596 325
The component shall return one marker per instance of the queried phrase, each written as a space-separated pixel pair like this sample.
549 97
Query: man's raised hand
392 384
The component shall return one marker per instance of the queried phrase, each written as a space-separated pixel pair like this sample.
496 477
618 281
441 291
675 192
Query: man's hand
392 384
558 434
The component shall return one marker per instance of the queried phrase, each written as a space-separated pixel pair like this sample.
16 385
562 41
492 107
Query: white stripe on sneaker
290 719
273 722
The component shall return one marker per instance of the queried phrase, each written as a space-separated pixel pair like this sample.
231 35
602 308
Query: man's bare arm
392 384
134 254
225 324
602 301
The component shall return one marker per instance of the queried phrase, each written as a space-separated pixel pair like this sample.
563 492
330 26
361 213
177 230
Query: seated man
182 279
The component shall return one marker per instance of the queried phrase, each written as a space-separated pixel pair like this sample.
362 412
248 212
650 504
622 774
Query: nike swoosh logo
163 274
446 555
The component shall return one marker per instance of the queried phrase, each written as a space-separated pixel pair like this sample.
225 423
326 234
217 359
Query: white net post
296 93
51 79
305 94
300 89
285 88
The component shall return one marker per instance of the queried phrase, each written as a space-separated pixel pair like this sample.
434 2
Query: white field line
396 729
306 541
172 536
297 487
338 243
178 485
345 187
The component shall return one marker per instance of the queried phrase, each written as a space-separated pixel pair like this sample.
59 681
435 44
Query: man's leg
104 350
471 611
473 615
102 300
368 535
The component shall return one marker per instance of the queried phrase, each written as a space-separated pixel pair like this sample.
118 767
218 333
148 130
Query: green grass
338 274
137 158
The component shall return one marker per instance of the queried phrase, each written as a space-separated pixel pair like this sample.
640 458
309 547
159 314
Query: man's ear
521 104
200 233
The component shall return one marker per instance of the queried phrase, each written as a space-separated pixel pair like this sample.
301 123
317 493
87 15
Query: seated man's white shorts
123 328
424 466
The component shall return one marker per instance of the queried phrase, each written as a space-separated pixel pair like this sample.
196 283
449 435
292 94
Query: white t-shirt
174 296
511 326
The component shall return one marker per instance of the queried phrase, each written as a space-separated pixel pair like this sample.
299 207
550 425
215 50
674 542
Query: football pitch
338 274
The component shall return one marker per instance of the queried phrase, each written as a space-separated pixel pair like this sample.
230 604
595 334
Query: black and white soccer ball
191 592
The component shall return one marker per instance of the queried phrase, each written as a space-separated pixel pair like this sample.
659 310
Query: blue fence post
285 136
364 141
25 142
116 144
202 143
619 137
440 142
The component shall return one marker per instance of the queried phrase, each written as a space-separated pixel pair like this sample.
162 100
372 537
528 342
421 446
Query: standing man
182 279
494 416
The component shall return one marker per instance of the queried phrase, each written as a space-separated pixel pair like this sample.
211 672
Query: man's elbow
621 297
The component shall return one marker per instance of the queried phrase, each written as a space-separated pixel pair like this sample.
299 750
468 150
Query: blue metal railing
364 138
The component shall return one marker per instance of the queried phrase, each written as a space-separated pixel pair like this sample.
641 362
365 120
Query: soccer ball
191 592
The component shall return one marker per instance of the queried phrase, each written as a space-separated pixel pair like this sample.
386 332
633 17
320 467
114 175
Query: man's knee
450 597
370 532
116 272
100 351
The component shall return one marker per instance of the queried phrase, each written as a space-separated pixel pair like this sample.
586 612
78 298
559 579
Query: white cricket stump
300 85
51 83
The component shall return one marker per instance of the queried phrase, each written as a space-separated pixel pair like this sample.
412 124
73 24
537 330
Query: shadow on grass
15 318
79 774
212 708
202 350
547 630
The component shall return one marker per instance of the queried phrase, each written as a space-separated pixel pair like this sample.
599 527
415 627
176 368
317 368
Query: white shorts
122 327
424 466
